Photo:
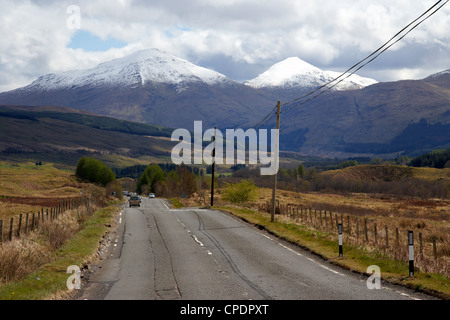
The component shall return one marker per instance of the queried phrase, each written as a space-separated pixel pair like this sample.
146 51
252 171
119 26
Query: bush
95 171
240 192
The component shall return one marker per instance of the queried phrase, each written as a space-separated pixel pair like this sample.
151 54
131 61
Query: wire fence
432 253
22 224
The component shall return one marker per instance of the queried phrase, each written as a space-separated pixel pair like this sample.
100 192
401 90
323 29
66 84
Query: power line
374 54
380 51
263 121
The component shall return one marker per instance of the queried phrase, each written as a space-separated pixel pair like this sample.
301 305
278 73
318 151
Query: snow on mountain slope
136 69
294 72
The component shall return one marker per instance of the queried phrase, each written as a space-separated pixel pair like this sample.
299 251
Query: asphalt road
198 254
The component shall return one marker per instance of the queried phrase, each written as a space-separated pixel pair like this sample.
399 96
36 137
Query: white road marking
299 254
196 240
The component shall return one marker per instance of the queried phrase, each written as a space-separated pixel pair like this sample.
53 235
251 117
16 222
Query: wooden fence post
375 232
348 225
434 249
11 229
397 241
420 244
20 225
387 235
357 228
365 230
26 222
315 217
331 220
320 216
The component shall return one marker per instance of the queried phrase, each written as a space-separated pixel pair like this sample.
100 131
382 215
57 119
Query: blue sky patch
89 42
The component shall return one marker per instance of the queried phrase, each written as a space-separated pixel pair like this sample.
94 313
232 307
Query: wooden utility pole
274 191
213 167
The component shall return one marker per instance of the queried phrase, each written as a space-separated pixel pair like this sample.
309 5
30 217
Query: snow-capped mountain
149 86
157 88
294 73
147 66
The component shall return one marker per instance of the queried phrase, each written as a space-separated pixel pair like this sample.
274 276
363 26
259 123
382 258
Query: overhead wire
362 66
374 54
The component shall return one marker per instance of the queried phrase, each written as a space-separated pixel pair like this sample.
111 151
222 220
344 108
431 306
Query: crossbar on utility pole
274 191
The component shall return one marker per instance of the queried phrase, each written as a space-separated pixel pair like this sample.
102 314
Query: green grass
50 280
176 203
355 258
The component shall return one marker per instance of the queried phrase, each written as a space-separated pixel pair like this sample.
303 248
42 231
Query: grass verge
355 258
176 204
49 281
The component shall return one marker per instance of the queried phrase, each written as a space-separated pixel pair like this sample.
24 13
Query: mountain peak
291 71
139 68
294 72
439 74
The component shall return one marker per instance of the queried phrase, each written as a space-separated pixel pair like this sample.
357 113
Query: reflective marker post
411 253
340 239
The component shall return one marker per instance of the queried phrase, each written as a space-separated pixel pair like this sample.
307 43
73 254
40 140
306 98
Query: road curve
198 254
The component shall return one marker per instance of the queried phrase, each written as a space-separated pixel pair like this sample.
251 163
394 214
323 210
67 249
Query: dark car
135 201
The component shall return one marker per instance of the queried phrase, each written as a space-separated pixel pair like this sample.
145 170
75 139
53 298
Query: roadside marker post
340 239
411 252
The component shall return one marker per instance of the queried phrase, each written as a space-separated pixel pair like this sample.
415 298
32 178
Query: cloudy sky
239 38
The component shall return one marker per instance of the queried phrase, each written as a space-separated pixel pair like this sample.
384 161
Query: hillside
388 179
63 135
387 119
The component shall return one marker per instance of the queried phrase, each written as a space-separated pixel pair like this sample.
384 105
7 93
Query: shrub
95 171
240 192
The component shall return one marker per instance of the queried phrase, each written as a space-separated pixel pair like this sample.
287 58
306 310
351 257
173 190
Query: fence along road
197 254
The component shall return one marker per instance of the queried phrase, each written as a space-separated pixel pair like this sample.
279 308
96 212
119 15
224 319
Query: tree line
171 180
436 159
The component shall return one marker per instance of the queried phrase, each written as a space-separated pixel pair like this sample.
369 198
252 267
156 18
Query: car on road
151 195
135 201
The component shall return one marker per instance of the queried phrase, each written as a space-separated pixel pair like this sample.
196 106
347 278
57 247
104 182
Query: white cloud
254 34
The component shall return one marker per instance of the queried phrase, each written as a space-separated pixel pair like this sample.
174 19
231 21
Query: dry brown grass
28 188
388 221
23 255
20 257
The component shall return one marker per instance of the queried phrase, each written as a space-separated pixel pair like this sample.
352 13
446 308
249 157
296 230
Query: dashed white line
196 240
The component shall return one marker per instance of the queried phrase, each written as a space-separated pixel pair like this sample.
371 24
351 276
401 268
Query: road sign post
411 252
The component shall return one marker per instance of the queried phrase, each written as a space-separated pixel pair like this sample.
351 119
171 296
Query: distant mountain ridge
63 135
391 118
149 86
358 117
